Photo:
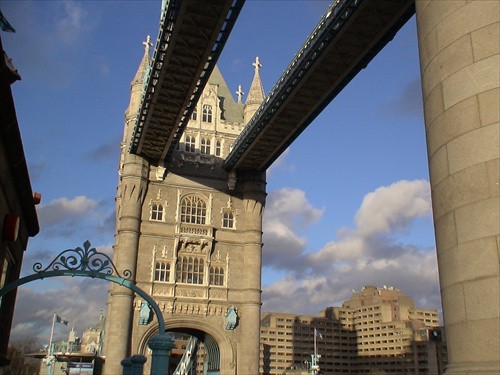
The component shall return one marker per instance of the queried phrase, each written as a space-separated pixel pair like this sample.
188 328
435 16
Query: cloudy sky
348 203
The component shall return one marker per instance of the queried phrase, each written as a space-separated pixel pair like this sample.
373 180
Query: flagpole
51 335
315 336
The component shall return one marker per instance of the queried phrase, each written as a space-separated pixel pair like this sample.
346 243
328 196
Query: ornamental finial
257 64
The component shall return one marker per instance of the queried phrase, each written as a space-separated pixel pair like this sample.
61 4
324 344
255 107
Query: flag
61 320
318 334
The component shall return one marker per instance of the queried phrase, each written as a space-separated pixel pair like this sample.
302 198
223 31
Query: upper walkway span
192 35
191 38
345 40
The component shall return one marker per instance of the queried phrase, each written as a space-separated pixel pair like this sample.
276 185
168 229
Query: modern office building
379 330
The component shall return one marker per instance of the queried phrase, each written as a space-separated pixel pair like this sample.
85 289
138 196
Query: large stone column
248 353
132 189
459 57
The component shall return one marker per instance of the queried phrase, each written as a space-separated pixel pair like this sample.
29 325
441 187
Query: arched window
193 210
190 143
217 276
194 115
162 271
190 270
218 148
207 113
228 219
205 146
157 212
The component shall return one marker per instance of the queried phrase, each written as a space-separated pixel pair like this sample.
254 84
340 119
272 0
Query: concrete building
379 330
191 235
18 217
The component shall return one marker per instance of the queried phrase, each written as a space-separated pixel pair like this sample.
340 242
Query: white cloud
392 208
287 213
79 302
65 217
366 255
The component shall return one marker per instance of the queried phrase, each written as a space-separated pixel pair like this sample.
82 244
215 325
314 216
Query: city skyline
360 218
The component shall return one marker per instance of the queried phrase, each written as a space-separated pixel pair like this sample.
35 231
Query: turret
255 95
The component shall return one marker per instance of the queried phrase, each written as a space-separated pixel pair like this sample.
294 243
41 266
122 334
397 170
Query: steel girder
345 40
192 36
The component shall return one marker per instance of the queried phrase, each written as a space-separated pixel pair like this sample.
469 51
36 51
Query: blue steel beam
346 39
191 38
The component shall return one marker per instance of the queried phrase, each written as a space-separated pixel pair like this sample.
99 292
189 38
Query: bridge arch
221 352
88 262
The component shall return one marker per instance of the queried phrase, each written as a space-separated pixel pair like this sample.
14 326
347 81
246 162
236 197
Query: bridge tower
459 58
192 235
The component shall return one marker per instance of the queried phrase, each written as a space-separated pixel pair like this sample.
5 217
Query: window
217 276
193 210
190 270
228 219
157 212
205 146
194 115
190 143
218 148
162 271
207 113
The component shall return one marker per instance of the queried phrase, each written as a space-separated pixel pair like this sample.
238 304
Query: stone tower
192 236
459 59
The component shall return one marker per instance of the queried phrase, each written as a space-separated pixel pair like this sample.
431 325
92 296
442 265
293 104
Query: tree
20 362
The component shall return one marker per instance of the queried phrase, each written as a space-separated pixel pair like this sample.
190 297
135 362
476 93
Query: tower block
459 58
191 233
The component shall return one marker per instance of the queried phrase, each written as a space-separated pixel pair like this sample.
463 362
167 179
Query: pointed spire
140 76
256 93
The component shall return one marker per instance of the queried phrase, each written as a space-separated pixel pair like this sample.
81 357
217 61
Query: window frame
190 270
193 210
228 219
217 276
205 146
190 143
206 115
157 212
162 271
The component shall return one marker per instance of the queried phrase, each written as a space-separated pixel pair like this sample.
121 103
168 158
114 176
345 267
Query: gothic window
217 276
157 212
194 115
162 271
190 143
193 210
207 113
190 270
218 148
205 146
228 219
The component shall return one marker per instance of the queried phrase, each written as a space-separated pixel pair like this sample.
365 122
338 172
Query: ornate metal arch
86 262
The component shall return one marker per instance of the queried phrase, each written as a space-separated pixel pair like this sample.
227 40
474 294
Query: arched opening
215 354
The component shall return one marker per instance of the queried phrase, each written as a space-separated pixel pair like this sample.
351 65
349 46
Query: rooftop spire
140 76
256 92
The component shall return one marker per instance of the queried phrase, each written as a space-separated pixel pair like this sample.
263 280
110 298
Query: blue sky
348 204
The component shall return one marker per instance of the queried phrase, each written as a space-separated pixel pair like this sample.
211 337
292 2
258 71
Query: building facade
377 331
192 237
18 217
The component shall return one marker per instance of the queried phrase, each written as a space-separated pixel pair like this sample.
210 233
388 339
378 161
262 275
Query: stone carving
160 173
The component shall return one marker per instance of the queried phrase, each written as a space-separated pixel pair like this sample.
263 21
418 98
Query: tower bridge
192 186
191 37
